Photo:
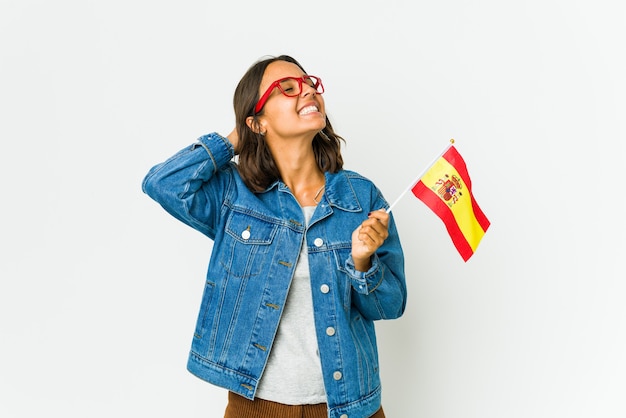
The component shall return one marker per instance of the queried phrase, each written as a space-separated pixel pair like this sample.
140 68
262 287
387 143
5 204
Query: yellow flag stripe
462 209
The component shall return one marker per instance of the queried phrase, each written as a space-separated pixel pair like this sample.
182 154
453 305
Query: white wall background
99 287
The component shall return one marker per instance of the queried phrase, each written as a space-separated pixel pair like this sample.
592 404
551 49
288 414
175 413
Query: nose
308 89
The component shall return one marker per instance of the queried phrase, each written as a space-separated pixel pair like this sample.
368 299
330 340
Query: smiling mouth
308 109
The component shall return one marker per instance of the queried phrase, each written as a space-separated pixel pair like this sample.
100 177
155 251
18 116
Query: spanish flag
446 189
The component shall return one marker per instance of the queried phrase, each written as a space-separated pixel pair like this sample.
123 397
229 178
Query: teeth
308 110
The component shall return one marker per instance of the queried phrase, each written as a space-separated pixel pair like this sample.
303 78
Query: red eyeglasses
290 87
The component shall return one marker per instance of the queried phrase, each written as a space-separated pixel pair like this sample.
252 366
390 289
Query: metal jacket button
318 242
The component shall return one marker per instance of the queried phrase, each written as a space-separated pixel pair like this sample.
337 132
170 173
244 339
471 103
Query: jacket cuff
219 148
364 282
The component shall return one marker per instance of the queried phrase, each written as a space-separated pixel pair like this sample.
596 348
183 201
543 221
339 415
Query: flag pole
421 174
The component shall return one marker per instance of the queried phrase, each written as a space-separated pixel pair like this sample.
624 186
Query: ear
255 125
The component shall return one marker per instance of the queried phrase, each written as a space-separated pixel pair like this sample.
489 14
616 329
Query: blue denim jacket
257 240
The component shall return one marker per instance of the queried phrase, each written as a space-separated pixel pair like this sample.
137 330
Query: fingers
368 237
381 215
373 231
233 137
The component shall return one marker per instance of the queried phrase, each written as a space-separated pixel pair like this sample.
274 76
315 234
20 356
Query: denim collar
338 192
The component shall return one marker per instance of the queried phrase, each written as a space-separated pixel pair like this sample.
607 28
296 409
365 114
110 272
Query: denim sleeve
380 292
191 185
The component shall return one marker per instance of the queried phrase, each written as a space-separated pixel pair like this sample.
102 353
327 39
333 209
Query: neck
306 183
298 169
299 172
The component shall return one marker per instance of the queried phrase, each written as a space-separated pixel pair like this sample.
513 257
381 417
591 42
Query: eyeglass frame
318 85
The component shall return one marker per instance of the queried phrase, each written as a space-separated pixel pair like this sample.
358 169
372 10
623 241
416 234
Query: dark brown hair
256 164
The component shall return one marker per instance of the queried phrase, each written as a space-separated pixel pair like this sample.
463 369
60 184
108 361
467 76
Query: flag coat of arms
446 189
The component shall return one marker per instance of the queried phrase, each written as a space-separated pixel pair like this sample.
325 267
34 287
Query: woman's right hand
233 137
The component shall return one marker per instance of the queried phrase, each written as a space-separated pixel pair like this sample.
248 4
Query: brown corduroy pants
240 407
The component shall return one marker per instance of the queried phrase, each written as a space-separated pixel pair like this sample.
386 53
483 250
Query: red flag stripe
434 202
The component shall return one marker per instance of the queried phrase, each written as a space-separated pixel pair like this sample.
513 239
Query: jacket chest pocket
249 240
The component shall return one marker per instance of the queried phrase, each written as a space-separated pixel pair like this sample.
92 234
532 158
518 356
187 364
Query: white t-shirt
293 375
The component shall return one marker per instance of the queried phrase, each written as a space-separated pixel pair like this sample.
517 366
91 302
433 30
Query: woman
304 259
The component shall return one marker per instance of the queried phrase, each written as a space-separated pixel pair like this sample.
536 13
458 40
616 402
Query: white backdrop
99 287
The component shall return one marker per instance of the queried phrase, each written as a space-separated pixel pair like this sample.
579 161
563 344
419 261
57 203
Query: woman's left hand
368 237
